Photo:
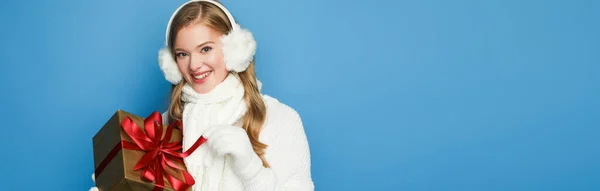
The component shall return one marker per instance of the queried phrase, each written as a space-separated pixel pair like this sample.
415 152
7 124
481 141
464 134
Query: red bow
160 153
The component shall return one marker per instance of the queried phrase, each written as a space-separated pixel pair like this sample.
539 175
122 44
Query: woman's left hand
233 141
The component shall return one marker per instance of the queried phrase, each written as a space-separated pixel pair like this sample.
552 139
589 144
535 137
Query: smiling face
197 50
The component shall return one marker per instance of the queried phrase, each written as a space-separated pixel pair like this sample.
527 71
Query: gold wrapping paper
118 175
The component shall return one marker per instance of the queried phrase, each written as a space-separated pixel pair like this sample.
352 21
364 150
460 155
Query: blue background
395 95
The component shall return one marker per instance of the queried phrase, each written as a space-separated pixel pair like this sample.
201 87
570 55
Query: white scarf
224 105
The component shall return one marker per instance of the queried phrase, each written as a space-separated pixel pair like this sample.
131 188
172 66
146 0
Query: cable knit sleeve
165 117
287 152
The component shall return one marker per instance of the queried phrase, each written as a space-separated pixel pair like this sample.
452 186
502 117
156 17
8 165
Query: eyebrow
200 45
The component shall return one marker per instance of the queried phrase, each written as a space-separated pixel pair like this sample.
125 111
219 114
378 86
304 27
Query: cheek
218 66
216 61
182 65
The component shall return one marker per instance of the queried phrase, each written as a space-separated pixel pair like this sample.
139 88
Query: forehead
195 34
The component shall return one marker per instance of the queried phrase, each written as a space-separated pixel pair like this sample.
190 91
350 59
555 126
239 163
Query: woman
254 141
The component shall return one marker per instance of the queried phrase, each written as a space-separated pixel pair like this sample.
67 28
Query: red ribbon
160 153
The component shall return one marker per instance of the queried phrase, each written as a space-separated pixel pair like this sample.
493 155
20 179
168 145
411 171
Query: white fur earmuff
238 47
168 65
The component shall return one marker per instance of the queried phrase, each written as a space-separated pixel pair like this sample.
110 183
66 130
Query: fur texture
168 66
239 48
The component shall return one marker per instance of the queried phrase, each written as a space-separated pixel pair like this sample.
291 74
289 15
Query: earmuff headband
229 16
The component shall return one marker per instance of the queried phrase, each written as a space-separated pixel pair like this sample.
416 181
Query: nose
196 62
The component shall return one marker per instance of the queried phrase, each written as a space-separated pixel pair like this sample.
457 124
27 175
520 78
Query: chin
204 87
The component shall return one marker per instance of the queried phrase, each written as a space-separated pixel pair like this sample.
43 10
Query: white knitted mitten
233 141
94 179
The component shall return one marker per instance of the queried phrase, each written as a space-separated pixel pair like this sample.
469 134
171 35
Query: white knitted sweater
287 149
287 154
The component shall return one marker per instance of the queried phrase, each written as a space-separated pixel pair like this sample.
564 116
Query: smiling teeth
202 76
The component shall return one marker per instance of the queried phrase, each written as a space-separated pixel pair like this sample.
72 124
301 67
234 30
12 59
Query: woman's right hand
94 179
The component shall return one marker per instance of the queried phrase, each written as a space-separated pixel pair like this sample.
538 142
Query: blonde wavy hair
213 17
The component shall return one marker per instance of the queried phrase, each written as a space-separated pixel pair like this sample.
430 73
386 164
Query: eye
206 49
180 54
